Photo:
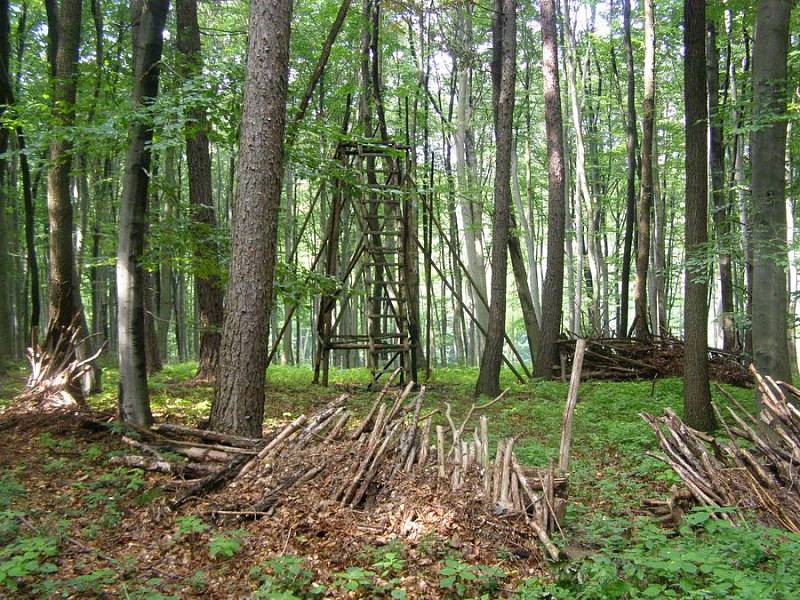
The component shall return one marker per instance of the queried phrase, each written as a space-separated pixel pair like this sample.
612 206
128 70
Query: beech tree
770 303
238 406
147 35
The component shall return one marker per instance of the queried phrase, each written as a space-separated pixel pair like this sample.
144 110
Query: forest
399 299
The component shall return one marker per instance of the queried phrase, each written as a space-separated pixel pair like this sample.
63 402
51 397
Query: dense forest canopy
337 298
123 177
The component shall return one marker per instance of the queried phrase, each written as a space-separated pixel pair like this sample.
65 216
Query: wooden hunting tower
372 183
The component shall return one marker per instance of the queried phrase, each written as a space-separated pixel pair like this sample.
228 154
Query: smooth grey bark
238 406
468 224
149 18
721 208
768 155
165 293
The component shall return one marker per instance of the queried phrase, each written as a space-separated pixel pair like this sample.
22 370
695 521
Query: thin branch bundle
395 452
620 359
757 468
56 367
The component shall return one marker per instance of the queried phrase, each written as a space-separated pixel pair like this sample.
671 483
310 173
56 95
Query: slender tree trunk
721 209
630 180
469 226
6 330
742 189
238 406
646 190
770 352
696 392
165 292
288 243
504 70
134 406
552 291
208 289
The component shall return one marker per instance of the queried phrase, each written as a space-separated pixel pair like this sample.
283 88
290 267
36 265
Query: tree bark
64 296
646 190
631 142
238 406
467 200
504 70
553 288
208 290
770 50
149 18
6 330
696 393
721 209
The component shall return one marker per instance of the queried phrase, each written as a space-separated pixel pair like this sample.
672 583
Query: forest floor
74 525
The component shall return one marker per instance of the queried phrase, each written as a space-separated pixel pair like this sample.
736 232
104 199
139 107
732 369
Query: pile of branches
757 469
658 357
394 458
57 368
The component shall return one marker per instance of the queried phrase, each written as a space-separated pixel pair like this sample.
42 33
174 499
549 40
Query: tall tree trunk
721 209
696 393
6 331
238 406
288 243
582 193
165 292
504 71
770 51
469 225
149 18
30 224
208 290
741 190
630 169
64 293
646 190
553 288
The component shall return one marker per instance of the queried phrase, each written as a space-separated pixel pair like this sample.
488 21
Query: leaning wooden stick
569 411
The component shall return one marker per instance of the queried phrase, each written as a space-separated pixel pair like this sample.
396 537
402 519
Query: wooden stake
569 411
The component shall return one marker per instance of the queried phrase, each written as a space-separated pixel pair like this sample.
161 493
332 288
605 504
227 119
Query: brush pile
57 368
394 475
620 359
757 470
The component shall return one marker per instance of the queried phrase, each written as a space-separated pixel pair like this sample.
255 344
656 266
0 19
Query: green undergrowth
618 552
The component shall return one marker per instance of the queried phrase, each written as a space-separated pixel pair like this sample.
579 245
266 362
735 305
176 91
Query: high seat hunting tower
374 185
